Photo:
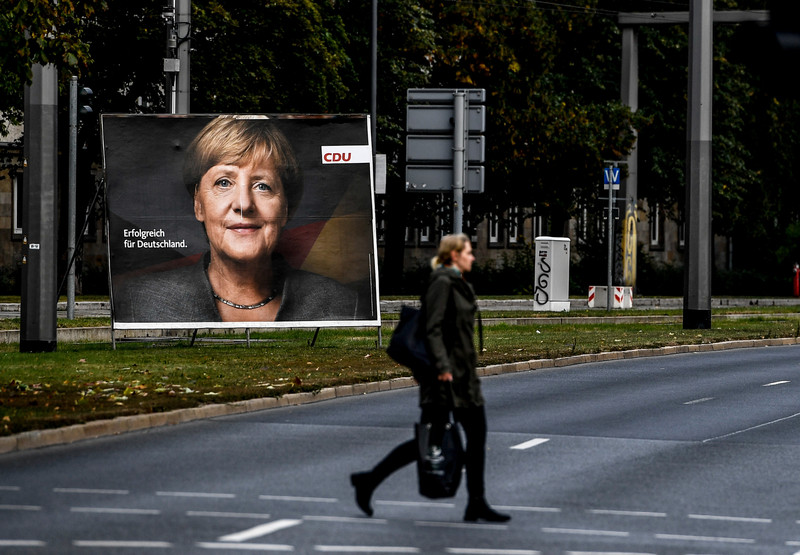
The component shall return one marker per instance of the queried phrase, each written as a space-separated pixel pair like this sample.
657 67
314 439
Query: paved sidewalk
103 308
103 333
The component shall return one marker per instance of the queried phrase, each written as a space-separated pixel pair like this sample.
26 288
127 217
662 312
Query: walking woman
449 307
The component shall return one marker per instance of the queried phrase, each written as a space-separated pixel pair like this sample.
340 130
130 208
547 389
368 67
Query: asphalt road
686 454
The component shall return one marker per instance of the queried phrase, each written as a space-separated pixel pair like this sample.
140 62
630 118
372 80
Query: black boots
479 509
365 485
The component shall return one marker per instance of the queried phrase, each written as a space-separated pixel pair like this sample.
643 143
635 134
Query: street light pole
39 298
183 28
71 193
697 272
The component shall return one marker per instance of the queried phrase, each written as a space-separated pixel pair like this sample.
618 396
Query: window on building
656 218
582 224
469 225
514 225
409 236
495 235
537 224
426 234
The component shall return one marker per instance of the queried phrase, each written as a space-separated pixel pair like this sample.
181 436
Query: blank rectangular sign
439 148
439 119
437 179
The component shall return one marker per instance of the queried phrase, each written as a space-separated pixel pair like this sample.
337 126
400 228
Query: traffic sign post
611 182
446 128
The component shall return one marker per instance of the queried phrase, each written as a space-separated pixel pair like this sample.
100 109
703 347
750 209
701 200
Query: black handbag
407 345
439 466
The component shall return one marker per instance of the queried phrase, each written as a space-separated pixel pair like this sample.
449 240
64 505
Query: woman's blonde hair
448 244
237 139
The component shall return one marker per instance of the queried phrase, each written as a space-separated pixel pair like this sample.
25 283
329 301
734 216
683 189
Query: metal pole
697 273
169 55
459 117
72 192
38 322
184 31
630 97
373 103
610 233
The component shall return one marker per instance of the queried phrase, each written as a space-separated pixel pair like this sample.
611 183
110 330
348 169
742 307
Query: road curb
101 428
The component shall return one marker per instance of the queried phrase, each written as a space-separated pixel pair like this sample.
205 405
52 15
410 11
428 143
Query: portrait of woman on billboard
245 184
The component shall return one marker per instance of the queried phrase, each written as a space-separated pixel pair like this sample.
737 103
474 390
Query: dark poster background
332 232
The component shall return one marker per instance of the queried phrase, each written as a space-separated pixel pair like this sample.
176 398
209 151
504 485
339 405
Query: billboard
240 221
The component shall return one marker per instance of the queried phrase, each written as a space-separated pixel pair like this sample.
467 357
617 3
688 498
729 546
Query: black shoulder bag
407 345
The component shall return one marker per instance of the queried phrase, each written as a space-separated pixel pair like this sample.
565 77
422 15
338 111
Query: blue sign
611 176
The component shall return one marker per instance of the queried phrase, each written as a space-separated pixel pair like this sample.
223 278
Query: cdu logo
347 154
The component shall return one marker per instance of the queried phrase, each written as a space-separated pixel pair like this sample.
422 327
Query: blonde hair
237 139
448 244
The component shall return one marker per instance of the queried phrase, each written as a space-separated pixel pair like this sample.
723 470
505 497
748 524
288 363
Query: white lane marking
528 509
702 538
92 491
479 551
302 499
604 553
261 530
20 508
348 519
581 532
782 382
196 494
365 549
122 544
467 525
698 401
108 510
626 513
795 415
10 488
221 514
732 518
417 504
245 546
22 543
532 443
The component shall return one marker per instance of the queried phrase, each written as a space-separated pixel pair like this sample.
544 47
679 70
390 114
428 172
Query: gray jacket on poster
449 306
185 295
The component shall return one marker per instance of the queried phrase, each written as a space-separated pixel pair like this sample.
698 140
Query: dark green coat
449 307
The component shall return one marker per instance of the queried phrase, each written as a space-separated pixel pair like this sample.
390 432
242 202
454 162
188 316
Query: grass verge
88 381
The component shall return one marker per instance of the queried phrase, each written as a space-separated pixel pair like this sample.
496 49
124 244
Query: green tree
277 56
405 42
554 110
37 32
